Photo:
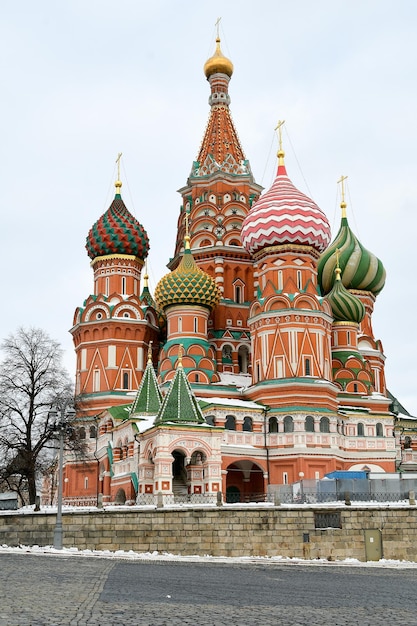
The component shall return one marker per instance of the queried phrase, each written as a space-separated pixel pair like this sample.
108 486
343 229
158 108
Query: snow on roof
145 423
246 404
239 380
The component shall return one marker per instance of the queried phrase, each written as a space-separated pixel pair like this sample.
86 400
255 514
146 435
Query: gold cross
119 156
278 127
217 25
342 180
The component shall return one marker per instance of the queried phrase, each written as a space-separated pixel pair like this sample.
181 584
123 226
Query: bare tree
32 380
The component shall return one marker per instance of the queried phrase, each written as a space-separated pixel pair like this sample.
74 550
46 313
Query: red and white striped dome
284 215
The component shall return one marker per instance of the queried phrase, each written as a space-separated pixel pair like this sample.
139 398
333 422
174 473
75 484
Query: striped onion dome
361 270
187 284
117 232
346 307
284 215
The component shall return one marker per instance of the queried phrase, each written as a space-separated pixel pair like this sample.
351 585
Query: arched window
210 420
227 354
230 423
81 433
125 380
273 425
247 424
324 425
361 430
379 430
307 367
309 424
288 424
407 442
93 432
243 359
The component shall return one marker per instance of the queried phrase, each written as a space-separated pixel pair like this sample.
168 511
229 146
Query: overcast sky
86 79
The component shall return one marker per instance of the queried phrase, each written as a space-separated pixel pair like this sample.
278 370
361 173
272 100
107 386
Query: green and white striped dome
346 307
361 270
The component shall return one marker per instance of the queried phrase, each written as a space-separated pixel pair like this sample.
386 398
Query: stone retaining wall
236 531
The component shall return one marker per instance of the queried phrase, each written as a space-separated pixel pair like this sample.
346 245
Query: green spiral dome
187 284
361 269
346 307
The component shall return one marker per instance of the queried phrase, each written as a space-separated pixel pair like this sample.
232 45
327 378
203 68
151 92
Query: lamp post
65 414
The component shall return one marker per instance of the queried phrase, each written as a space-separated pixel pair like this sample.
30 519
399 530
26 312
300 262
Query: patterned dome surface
187 284
361 269
117 232
284 215
346 307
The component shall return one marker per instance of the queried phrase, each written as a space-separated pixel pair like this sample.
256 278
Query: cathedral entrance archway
179 474
244 482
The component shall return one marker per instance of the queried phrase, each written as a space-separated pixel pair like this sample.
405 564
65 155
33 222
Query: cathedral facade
253 364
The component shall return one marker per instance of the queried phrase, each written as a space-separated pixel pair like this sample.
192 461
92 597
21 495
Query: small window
309 424
230 423
126 380
247 424
81 433
307 367
299 279
324 425
355 387
361 430
210 420
407 442
288 424
273 425
237 294
86 482
93 432
280 281
196 325
379 430
285 478
96 380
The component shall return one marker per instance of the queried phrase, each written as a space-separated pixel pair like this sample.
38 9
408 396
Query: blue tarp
342 475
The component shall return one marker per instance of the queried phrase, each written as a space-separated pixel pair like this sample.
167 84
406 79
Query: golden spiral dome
218 63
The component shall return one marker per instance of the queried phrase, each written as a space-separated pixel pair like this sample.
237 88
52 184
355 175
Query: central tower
216 199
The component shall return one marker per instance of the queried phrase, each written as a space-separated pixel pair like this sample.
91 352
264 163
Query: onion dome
187 284
361 270
284 215
346 307
117 232
218 63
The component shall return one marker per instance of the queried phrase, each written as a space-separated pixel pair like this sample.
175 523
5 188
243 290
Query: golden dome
218 63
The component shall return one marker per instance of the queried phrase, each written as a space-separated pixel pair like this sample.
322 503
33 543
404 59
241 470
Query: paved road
36 590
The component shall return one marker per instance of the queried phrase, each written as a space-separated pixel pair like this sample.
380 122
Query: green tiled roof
180 404
148 398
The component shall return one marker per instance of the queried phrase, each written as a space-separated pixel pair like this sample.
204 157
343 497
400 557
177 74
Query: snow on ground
165 556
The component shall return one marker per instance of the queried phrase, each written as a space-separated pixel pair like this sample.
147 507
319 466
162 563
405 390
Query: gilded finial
337 270
180 354
280 153
118 182
342 192
150 352
187 231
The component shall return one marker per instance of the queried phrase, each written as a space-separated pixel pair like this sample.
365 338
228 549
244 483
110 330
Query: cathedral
253 364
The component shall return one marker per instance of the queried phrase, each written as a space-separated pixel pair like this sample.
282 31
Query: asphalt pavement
38 590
